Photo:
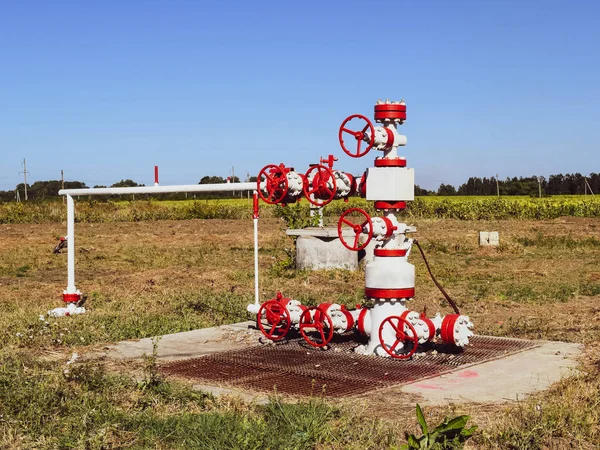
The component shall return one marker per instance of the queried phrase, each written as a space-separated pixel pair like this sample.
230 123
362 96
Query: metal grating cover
294 368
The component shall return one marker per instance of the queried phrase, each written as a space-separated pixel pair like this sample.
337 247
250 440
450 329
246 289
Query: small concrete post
489 239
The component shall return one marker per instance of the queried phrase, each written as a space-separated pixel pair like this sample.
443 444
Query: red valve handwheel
358 135
358 229
319 185
319 324
276 184
399 325
273 320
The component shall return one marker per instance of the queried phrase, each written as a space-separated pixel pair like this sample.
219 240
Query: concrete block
320 248
489 238
324 253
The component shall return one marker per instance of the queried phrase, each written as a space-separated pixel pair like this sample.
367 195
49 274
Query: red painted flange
360 323
389 293
71 298
447 328
363 185
389 205
399 325
430 326
392 252
349 318
394 111
390 162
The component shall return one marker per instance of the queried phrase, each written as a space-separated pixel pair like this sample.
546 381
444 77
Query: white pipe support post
253 308
71 293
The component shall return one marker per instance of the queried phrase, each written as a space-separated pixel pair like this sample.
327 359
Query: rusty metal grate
294 368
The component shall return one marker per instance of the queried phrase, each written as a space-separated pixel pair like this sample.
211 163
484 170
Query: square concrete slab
230 359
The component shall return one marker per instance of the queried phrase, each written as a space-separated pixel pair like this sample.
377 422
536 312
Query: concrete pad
507 379
189 344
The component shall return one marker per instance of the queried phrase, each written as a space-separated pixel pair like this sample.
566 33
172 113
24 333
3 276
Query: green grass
54 405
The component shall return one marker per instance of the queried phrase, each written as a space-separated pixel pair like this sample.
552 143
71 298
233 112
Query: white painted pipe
256 295
219 187
71 246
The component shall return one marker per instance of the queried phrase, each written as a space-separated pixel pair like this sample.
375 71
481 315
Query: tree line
569 184
41 190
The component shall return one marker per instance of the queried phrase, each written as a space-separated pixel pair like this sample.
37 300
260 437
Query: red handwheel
405 333
320 177
275 186
358 135
360 225
316 329
273 320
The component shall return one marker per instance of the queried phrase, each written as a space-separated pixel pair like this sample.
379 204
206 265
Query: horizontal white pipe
219 187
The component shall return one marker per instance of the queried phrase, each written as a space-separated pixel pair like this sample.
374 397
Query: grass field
147 278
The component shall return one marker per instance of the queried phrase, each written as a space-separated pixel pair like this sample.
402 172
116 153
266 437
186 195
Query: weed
152 377
296 216
450 434
22 271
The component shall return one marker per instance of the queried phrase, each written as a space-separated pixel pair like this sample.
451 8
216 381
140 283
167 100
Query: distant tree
594 181
45 189
7 196
127 183
211 180
420 191
99 186
446 189
252 179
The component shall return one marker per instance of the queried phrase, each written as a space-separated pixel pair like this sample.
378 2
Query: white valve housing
390 184
295 184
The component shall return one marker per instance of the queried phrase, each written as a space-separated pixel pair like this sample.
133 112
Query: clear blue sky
105 90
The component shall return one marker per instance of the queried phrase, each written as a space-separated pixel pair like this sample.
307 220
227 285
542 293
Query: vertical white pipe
256 296
255 215
71 246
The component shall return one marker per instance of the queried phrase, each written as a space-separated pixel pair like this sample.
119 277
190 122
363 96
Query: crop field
145 278
90 210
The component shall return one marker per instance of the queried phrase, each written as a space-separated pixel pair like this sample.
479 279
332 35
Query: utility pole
588 186
25 176
497 186
539 186
233 177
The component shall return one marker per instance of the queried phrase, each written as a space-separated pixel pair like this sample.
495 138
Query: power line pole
539 186
25 176
497 187
588 185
